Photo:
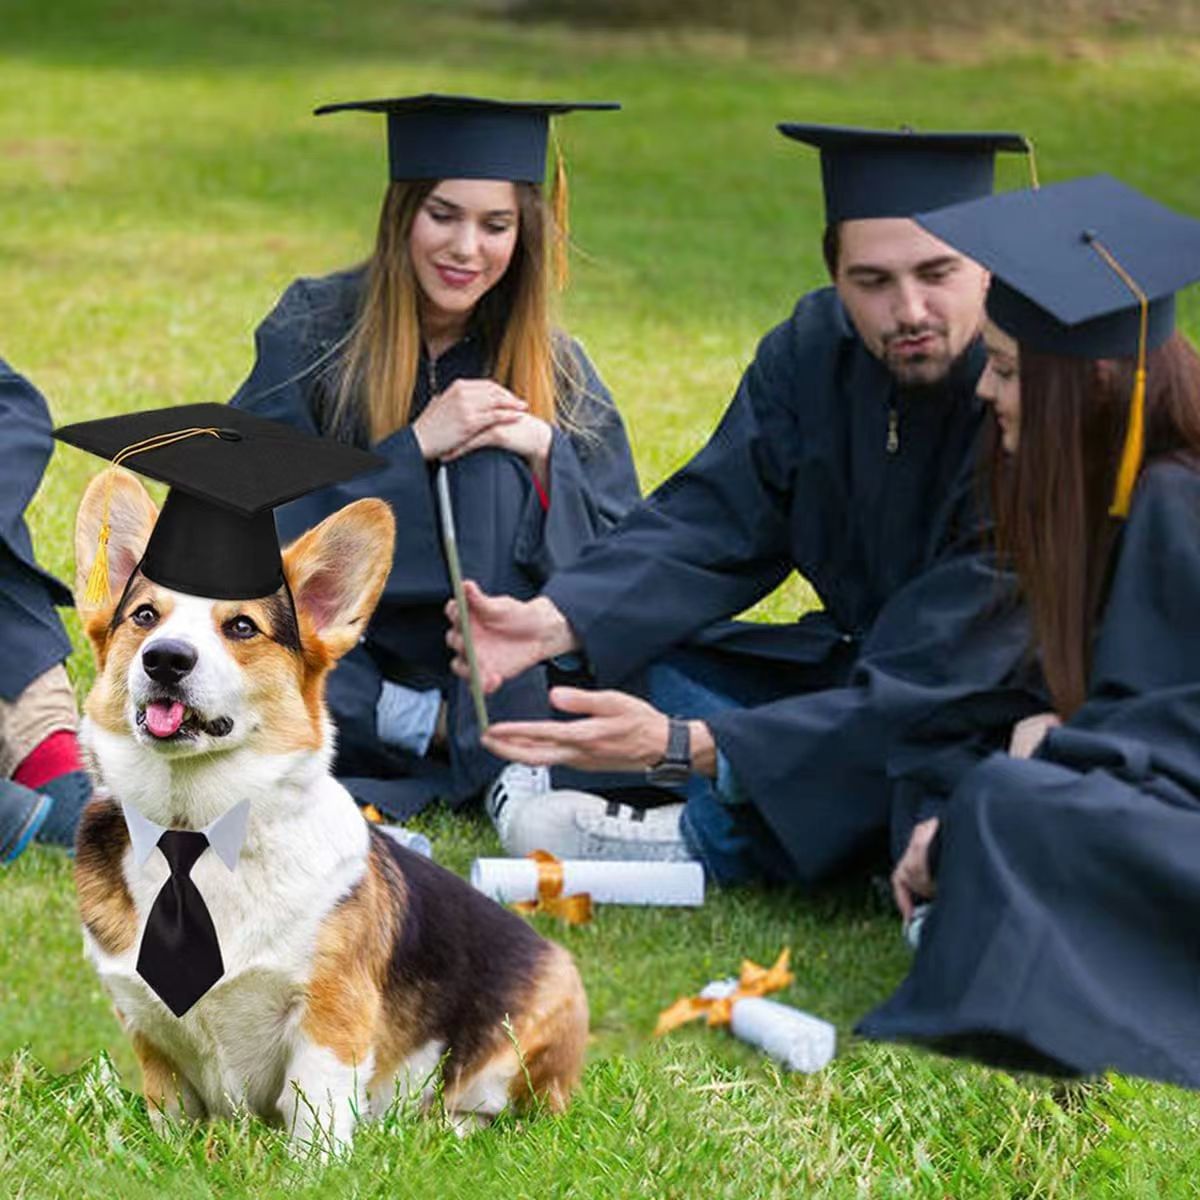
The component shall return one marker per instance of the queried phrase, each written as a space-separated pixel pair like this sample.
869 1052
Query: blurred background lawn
161 180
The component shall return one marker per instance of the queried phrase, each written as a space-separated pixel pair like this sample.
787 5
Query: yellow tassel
97 594
1135 431
1031 158
562 219
1131 455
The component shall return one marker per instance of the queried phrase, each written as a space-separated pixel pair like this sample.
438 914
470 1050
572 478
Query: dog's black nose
168 661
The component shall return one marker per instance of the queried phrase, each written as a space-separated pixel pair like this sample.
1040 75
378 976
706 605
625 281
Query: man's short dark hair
831 246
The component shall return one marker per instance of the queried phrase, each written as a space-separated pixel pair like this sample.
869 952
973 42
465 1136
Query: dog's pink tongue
163 718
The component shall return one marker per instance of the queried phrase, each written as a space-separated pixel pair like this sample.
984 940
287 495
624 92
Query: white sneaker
529 814
609 830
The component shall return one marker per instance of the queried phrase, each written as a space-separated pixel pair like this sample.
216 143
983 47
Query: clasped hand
473 413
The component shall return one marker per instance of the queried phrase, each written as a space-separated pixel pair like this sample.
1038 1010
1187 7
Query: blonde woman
440 349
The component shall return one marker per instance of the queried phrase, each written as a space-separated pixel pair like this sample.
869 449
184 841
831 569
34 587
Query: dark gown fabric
32 638
1065 935
803 473
507 542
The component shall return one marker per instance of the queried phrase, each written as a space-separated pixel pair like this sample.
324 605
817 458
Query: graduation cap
896 173
434 136
1089 269
227 470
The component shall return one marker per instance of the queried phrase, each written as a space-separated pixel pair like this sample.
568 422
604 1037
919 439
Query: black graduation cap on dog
227 470
896 173
1088 268
436 136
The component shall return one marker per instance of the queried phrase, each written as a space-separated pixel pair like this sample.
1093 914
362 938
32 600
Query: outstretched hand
615 732
510 636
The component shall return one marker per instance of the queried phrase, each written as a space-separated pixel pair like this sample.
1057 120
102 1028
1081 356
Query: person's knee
45 707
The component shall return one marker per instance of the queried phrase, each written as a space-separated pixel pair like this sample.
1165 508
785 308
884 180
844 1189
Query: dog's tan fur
363 1005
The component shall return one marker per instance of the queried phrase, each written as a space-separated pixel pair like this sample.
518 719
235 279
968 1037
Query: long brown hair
378 368
1050 498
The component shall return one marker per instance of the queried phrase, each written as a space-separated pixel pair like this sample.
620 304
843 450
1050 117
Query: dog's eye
144 616
240 628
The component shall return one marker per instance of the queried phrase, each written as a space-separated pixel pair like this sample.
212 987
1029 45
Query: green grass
160 182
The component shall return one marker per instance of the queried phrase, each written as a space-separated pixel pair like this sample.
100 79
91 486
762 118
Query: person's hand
463 411
911 880
509 636
1027 734
615 732
528 436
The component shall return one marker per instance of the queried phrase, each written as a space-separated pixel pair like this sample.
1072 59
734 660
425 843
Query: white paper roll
798 1040
652 883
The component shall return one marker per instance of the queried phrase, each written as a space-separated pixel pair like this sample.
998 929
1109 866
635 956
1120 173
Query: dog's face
187 677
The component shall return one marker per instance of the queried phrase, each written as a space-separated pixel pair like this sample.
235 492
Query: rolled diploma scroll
800 1041
666 883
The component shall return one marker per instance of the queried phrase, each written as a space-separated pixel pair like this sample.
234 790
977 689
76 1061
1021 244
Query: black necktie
180 957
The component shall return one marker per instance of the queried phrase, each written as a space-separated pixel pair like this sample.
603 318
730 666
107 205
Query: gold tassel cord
1135 430
753 981
1031 157
560 207
575 910
97 591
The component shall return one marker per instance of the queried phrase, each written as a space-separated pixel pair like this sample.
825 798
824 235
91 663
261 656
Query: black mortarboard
896 173
1052 288
466 137
1088 268
227 470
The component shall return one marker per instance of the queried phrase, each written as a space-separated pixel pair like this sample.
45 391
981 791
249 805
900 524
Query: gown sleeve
711 541
25 419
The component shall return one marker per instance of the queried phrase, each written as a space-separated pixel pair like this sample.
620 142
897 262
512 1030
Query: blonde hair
379 367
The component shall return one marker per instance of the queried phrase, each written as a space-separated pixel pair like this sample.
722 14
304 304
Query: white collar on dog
225 835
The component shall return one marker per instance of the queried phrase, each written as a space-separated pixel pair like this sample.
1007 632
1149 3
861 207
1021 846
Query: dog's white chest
235 1043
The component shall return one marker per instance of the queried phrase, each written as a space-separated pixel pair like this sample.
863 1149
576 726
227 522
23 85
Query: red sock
57 755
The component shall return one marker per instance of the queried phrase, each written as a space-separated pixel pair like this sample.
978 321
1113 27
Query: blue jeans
720 826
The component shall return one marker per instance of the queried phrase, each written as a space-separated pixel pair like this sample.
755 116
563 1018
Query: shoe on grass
609 830
22 813
528 814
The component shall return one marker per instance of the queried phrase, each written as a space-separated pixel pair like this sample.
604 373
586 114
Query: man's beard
922 373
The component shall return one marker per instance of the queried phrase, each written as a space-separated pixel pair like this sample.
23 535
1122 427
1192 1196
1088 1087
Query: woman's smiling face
461 243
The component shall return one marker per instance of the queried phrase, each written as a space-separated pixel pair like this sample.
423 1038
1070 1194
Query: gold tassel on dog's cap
97 591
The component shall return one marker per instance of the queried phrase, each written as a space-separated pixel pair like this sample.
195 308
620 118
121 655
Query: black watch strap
676 765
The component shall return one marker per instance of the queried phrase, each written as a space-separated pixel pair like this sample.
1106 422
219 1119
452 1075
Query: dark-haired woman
440 349
1064 935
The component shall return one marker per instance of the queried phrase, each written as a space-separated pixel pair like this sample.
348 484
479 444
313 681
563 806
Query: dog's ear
118 499
337 571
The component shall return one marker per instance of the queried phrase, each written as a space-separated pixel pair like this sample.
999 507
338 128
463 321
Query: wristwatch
675 767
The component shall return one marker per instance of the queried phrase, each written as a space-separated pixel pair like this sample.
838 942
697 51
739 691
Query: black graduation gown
32 638
822 465
1065 936
507 542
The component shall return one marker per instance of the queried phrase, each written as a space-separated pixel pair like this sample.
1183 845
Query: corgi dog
355 971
